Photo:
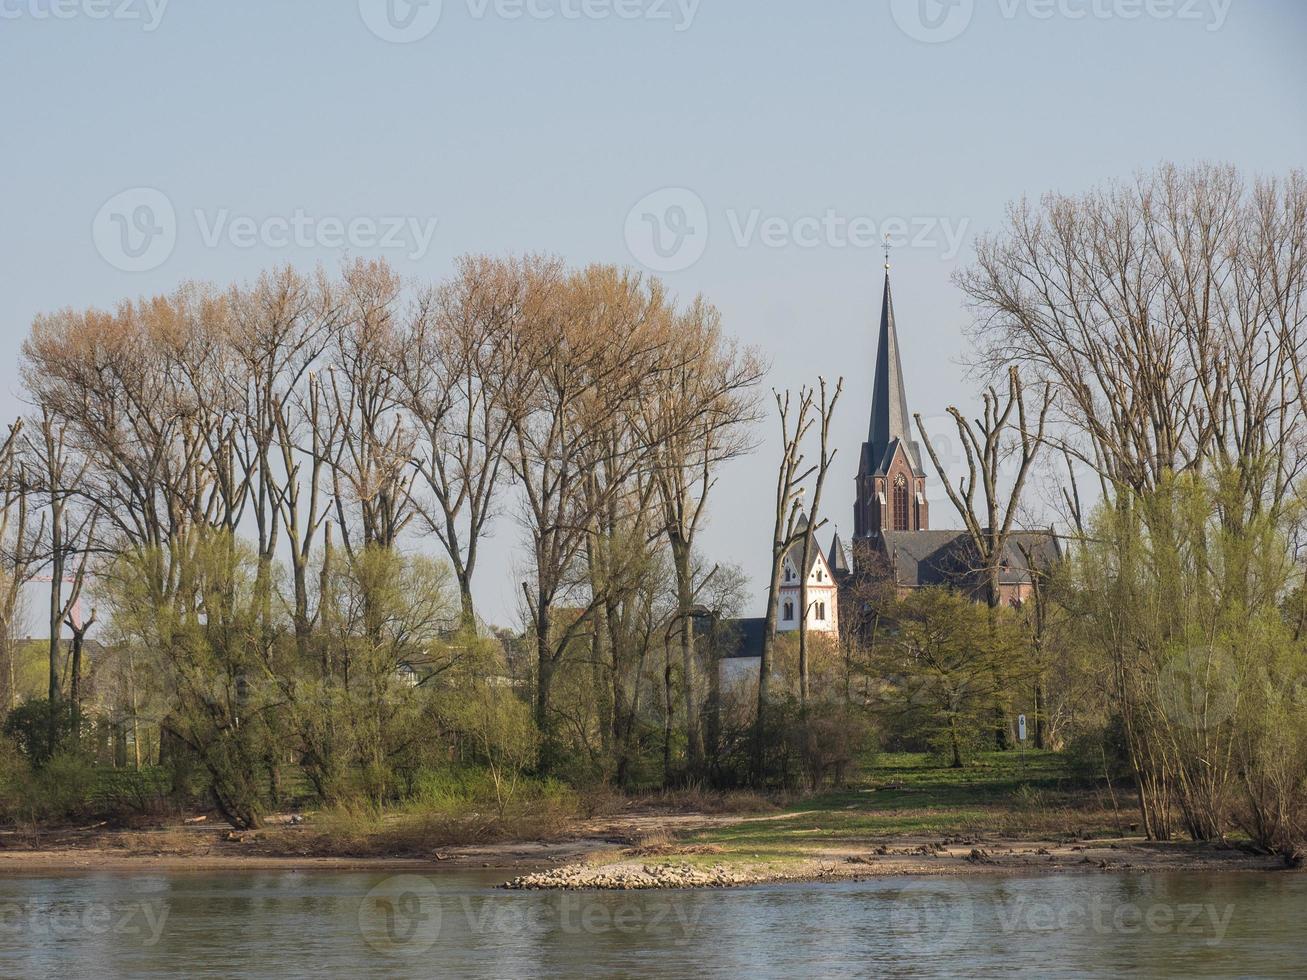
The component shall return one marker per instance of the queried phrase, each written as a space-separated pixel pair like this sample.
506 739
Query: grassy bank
905 798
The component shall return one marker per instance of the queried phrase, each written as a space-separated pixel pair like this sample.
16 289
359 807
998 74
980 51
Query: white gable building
823 592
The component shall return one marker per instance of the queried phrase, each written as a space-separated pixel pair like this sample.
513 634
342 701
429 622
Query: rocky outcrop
624 877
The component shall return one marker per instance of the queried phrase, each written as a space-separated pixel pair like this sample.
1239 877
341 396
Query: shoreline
609 861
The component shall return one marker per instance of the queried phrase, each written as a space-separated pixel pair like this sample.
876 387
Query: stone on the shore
627 877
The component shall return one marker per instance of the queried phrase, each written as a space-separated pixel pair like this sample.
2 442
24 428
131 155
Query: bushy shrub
62 789
831 740
40 728
954 748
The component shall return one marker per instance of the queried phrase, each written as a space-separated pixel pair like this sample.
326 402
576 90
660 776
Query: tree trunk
75 685
685 602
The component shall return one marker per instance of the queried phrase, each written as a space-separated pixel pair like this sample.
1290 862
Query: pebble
630 877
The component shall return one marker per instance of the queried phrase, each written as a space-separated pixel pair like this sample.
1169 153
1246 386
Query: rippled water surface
244 924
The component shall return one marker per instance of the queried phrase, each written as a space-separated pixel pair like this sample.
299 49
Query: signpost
1021 737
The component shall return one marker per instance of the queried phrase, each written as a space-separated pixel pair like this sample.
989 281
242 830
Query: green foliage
1182 593
40 728
63 788
945 662
946 747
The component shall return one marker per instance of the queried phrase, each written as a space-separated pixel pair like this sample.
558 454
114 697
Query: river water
346 925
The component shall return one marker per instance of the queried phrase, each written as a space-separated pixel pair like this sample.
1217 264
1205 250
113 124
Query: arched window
821 612
789 611
901 504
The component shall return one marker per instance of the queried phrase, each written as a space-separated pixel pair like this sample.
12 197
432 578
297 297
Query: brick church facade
891 483
891 521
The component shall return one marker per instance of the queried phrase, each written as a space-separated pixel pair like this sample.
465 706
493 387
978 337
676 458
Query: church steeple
889 400
891 481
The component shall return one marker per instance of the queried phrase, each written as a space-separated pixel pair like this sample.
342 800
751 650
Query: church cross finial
887 248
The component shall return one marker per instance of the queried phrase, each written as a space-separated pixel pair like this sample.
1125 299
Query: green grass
904 796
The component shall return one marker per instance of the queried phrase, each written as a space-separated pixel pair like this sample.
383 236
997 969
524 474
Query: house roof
743 637
815 554
949 557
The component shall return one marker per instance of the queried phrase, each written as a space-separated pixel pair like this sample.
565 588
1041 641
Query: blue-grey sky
766 143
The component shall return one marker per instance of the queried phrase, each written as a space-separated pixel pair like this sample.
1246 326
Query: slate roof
814 553
923 558
837 557
890 421
743 637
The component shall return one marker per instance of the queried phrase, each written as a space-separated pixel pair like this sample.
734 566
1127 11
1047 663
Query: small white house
823 593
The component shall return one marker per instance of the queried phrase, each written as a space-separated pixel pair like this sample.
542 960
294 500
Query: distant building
919 559
823 588
892 535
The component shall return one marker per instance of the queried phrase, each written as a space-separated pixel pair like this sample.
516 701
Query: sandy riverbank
607 853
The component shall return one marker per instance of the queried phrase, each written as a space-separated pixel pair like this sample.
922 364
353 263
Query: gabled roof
815 554
890 421
923 558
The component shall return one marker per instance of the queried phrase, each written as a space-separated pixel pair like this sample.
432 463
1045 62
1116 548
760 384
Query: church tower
891 484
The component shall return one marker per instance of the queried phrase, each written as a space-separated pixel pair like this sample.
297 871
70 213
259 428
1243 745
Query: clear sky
147 142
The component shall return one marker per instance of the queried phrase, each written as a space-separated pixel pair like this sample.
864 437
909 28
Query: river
346 925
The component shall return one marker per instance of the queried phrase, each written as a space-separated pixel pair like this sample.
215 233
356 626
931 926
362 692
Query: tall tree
694 417
457 345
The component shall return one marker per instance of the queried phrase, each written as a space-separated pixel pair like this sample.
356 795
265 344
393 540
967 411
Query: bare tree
694 417
1168 315
370 448
584 351
791 526
988 443
455 344
825 411
17 552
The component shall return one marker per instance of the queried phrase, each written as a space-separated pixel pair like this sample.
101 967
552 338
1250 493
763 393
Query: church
892 536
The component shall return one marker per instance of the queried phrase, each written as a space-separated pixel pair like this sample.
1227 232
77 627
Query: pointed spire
889 402
836 558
